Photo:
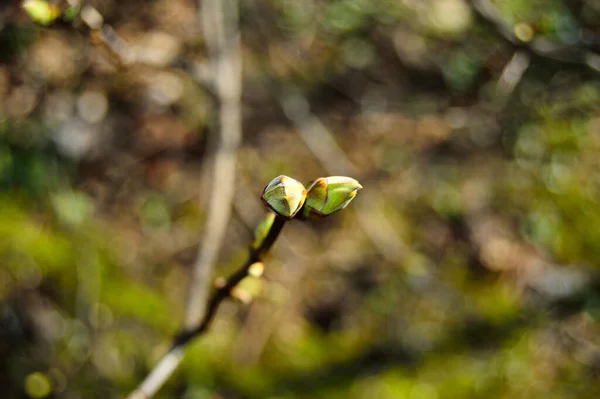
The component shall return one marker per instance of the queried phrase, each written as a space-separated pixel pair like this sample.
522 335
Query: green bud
327 195
284 196
41 11
262 230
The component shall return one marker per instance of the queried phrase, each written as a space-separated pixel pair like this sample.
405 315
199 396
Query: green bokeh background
467 267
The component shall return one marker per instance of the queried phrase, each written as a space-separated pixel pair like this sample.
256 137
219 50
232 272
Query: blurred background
467 267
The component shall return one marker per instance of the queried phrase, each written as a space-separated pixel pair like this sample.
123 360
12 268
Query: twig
224 47
513 73
224 290
263 317
124 55
167 365
222 39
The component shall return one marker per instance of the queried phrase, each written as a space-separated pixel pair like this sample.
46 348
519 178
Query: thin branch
224 290
220 30
513 73
159 375
263 318
169 362
222 39
124 55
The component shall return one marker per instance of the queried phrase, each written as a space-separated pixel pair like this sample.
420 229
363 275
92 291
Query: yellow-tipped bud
327 195
284 196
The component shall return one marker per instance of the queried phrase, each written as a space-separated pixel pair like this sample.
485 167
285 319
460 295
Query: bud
241 295
256 269
40 11
262 230
327 195
284 196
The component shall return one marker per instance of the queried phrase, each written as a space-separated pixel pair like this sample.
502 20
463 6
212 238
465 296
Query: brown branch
223 291
169 362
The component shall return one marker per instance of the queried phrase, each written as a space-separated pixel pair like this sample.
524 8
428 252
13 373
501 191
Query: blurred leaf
72 208
131 300
155 212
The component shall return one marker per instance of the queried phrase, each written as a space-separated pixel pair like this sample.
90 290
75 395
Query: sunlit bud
247 289
241 295
262 230
284 196
327 195
41 11
256 269
220 282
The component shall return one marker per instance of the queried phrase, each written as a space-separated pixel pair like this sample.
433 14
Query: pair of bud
326 195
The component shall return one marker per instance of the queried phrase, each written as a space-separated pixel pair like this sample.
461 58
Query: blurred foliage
478 278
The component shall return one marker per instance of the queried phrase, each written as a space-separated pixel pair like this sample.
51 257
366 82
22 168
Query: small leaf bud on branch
284 196
327 195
